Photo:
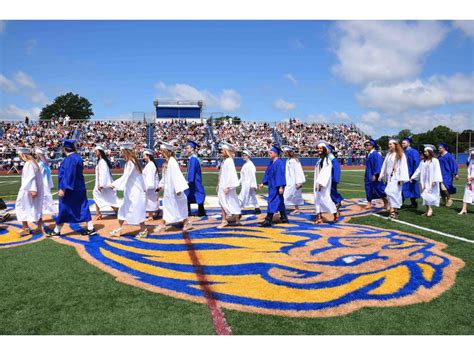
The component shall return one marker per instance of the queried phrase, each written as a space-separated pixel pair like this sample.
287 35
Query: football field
250 281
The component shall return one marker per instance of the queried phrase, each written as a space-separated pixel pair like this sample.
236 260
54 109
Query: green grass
46 288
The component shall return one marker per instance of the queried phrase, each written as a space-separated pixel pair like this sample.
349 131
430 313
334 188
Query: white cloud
24 80
228 99
12 112
283 105
3 25
374 124
335 117
418 94
7 84
466 26
30 46
296 44
291 78
384 51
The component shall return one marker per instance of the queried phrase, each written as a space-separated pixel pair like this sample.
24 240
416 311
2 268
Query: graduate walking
73 203
295 179
49 207
411 189
395 172
275 179
150 175
103 195
468 197
173 184
322 185
248 183
196 192
133 207
227 188
373 165
29 202
449 170
336 197
429 173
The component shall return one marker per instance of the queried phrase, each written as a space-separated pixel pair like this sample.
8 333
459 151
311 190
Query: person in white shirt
173 184
248 182
29 202
295 179
429 172
227 188
468 197
133 208
395 172
102 194
150 174
322 185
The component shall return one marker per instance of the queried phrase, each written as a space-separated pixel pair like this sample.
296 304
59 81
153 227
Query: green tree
404 133
72 105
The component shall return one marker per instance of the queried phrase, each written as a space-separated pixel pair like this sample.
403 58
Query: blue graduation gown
449 168
373 166
275 178
411 189
336 197
196 192
73 207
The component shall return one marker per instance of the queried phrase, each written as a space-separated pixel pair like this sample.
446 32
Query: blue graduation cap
408 139
331 147
373 143
443 145
192 144
69 143
276 149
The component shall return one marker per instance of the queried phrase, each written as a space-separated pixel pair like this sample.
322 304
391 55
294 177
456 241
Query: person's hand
433 184
111 187
456 177
380 178
374 179
226 190
260 186
281 190
33 194
100 188
299 186
178 193
400 183
159 189
61 193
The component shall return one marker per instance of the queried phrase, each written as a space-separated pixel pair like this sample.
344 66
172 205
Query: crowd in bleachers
255 136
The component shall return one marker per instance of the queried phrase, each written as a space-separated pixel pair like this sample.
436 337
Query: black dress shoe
53 233
284 220
265 223
413 205
89 232
258 211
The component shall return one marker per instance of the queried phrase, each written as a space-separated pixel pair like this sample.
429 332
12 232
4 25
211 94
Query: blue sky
384 76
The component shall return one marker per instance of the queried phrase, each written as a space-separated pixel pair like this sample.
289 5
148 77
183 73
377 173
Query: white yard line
424 228
55 193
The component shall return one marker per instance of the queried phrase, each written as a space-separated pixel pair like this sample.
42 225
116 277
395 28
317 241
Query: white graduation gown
322 178
151 182
395 171
27 207
469 189
133 205
103 178
429 172
175 208
294 175
228 179
248 181
49 207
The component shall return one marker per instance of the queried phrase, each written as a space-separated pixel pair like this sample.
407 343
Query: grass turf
39 295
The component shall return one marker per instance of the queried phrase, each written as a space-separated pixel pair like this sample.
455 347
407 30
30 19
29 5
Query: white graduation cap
149 152
23 150
247 152
287 148
429 147
393 140
40 151
227 146
471 151
128 146
322 144
99 147
166 146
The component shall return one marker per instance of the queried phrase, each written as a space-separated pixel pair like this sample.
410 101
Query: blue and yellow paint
298 269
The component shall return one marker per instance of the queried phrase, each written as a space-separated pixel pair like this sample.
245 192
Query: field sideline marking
424 228
54 194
